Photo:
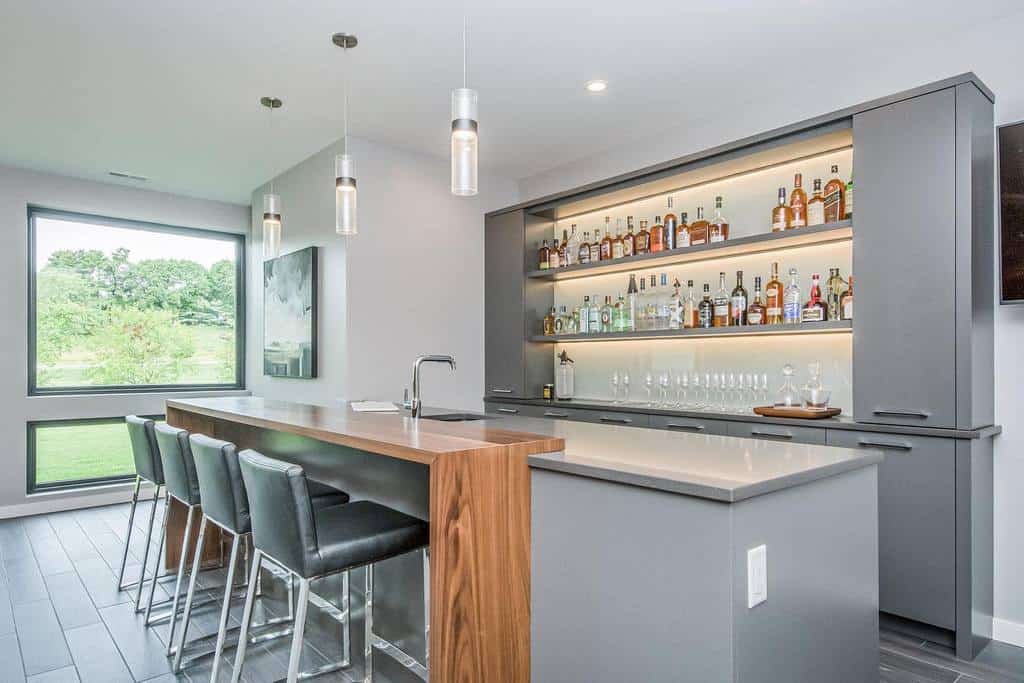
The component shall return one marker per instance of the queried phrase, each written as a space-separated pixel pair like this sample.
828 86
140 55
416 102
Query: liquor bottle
689 307
814 309
722 303
718 229
833 293
699 229
584 250
682 232
563 250
549 322
560 321
706 309
574 321
632 294
595 246
835 197
791 300
676 307
629 241
594 324
782 215
756 310
798 203
849 197
620 320
617 242
738 302
773 298
553 257
606 242
585 316
846 301
657 235
640 320
544 256
653 295
671 225
816 206
606 314
665 304
572 252
642 244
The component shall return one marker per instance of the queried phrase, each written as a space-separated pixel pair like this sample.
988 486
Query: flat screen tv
1011 211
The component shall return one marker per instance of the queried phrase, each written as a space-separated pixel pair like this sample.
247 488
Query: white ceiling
170 90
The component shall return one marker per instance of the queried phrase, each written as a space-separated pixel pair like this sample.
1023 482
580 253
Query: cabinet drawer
506 408
690 424
916 524
756 430
553 412
615 418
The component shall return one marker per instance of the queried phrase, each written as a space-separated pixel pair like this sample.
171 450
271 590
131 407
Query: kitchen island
472 481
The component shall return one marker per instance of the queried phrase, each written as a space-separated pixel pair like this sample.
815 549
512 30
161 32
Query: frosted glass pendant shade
345 218
271 226
464 142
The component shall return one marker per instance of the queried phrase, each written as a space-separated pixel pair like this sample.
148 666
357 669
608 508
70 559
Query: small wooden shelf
700 332
741 246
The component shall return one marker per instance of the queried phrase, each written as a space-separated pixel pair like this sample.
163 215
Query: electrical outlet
757 576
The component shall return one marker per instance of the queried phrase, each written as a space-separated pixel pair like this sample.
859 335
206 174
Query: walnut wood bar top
393 434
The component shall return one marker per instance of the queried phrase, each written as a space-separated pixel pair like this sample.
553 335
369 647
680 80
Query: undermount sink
456 417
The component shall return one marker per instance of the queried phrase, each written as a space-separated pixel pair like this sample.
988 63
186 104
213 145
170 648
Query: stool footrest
396 653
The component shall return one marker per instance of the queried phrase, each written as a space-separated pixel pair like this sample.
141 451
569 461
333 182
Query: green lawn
83 451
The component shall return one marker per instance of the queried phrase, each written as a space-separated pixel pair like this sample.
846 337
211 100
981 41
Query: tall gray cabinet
922 348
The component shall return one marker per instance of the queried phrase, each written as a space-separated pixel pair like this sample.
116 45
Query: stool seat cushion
362 532
178 464
142 433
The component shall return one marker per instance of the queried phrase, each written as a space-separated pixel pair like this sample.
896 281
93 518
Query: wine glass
665 383
649 385
624 380
682 388
615 380
751 394
698 400
732 401
765 400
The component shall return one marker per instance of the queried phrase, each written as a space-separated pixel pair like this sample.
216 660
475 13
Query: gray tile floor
62 618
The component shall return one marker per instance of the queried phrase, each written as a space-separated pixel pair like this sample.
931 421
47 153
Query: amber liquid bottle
699 229
563 250
756 311
629 239
544 256
657 236
846 301
798 203
721 302
706 309
782 215
718 228
584 254
553 255
816 206
682 232
773 293
835 198
642 244
595 247
738 302
671 225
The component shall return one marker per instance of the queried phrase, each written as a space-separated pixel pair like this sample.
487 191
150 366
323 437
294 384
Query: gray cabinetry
613 417
916 524
689 424
758 430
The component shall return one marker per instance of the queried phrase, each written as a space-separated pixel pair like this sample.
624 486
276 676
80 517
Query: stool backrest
142 434
220 483
179 467
282 514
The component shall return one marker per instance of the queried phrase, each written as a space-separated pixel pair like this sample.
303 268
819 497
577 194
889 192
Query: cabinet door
916 524
904 355
504 372
773 432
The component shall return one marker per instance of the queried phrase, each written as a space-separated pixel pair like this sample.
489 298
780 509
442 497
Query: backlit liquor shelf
830 326
841 231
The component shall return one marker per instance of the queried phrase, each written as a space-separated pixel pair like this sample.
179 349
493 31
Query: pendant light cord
463 50
344 145
270 125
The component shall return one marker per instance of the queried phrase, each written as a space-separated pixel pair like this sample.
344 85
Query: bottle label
833 201
585 255
849 200
553 263
595 254
606 317
848 308
721 309
813 314
627 247
682 238
774 311
779 224
754 317
704 316
791 312
799 216
815 213
617 249
739 304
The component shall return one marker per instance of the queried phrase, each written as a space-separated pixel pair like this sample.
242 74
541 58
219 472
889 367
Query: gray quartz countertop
722 468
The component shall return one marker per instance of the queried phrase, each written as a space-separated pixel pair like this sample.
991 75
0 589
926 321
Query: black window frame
33 486
239 240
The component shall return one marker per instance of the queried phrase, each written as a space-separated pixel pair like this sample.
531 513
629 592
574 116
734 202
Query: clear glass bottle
617 242
834 288
632 296
664 303
791 300
595 247
594 324
572 247
620 322
585 316
846 301
549 322
676 308
689 307
652 302
671 225
565 377
787 396
606 314
640 320
561 321
721 303
584 249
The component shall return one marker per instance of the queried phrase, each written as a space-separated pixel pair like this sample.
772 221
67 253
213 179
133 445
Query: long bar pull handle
616 420
513 411
899 445
686 428
549 413
773 435
495 390
923 414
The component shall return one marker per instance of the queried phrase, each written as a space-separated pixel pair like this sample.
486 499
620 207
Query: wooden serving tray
798 413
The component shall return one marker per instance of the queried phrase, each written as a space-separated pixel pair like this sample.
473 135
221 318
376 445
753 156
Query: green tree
140 347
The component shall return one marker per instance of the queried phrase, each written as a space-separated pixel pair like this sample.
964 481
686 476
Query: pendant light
345 214
271 201
464 133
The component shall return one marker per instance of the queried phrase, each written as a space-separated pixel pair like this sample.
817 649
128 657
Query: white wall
18 189
992 52
410 283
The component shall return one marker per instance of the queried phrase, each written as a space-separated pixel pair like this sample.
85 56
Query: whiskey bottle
657 236
544 256
756 310
814 310
706 309
671 225
629 241
689 307
584 250
572 252
816 206
791 300
563 249
682 232
849 197
718 229
676 308
722 303
699 229
782 215
549 322
606 314
798 203
642 244
738 302
773 298
846 301
553 257
617 242
833 293
632 295
835 197
595 246
606 242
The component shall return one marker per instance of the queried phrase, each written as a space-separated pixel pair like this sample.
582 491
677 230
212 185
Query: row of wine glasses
722 392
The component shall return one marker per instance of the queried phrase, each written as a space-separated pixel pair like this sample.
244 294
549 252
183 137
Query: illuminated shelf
832 326
740 246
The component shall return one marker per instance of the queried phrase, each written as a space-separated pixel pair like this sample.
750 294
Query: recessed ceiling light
597 86
128 176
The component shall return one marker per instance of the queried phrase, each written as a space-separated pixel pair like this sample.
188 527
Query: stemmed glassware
665 384
682 388
624 379
698 399
615 381
649 385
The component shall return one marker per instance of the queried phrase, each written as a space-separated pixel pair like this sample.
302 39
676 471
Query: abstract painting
290 315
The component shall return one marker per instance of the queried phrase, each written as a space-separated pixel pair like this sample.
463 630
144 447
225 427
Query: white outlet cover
757 576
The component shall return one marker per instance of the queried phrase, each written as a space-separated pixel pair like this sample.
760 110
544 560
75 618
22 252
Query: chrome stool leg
368 627
159 553
145 553
225 611
177 584
346 606
250 598
196 563
298 631
128 537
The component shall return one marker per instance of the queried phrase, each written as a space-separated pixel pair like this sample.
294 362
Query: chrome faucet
415 405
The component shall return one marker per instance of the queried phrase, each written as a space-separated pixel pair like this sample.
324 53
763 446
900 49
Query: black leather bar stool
142 434
226 505
312 543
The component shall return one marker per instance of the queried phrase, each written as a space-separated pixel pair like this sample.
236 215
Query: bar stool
226 505
148 468
313 543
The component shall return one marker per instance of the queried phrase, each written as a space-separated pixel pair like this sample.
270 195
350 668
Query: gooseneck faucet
415 405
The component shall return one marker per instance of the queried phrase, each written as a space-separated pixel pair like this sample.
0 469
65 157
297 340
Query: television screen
1011 191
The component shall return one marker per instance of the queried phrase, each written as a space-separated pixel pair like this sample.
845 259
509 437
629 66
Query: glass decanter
815 396
788 396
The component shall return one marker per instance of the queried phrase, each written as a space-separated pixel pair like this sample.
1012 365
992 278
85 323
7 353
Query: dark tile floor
62 618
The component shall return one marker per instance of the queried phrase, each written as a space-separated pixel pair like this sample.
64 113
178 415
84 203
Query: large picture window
117 305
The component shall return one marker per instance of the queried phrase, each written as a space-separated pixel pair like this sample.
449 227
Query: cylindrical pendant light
271 201
464 138
346 220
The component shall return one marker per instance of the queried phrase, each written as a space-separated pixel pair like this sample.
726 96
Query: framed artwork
290 315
